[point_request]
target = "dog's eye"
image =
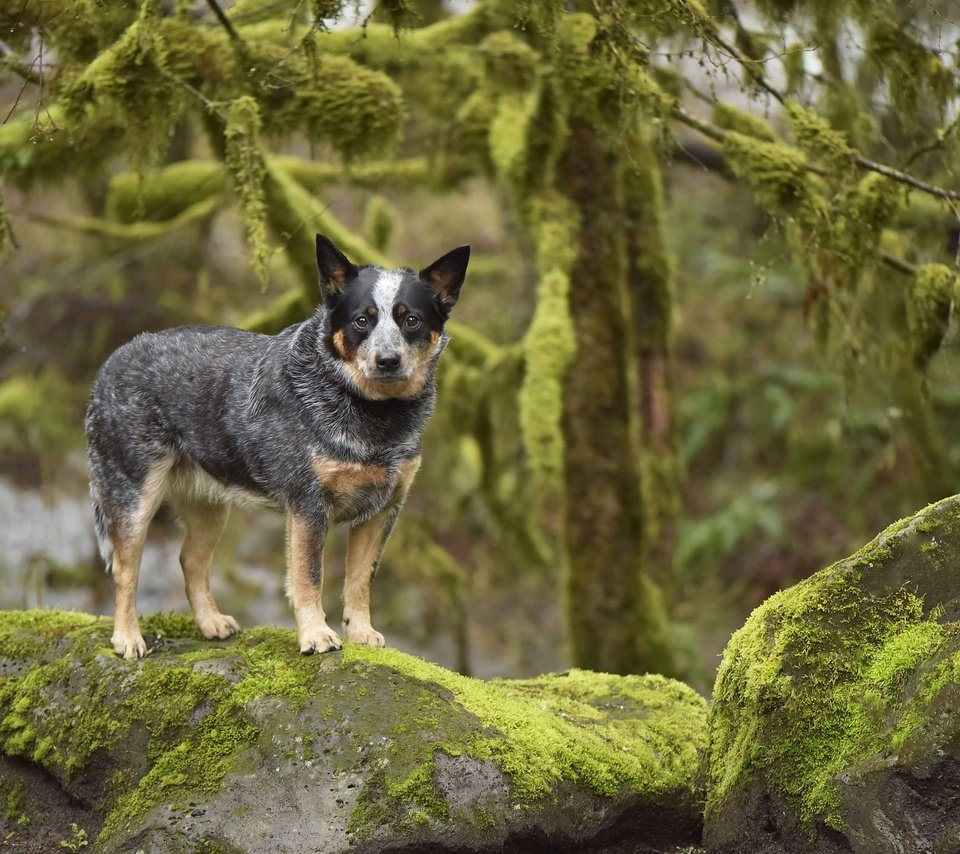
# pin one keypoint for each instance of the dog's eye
(361, 322)
(412, 321)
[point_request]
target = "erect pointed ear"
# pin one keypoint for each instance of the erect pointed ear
(336, 272)
(445, 275)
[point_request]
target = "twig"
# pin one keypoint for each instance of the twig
(898, 263)
(224, 21)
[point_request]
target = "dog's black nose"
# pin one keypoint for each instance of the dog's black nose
(388, 361)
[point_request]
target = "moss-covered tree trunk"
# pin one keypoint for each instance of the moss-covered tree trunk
(651, 291)
(616, 613)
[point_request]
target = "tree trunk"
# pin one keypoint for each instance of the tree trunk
(616, 612)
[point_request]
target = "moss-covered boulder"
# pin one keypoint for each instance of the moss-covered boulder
(245, 745)
(835, 725)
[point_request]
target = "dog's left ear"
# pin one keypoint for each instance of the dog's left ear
(445, 275)
(336, 272)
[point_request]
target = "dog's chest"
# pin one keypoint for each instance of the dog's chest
(354, 490)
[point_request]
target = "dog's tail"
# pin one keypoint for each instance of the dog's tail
(104, 543)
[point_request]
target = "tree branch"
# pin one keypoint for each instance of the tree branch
(709, 32)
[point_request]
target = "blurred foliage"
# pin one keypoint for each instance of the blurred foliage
(792, 363)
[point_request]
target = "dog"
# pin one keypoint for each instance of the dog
(323, 420)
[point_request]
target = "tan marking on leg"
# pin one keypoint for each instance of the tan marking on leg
(366, 543)
(129, 536)
(305, 556)
(204, 524)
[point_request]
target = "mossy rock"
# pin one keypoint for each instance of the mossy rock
(245, 745)
(834, 725)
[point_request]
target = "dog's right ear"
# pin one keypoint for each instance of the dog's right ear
(336, 272)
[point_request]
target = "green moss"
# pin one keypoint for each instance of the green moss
(245, 165)
(199, 722)
(912, 71)
(778, 175)
(130, 81)
(273, 667)
(731, 118)
(549, 344)
(510, 64)
(164, 193)
(550, 729)
(38, 413)
(379, 222)
(170, 625)
(830, 672)
(358, 111)
(815, 135)
(508, 134)
(864, 211)
(929, 302)
(6, 232)
(16, 803)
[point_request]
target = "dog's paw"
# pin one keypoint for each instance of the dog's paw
(364, 633)
(129, 645)
(215, 626)
(320, 639)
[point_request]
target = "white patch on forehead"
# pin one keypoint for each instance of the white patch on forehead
(385, 290)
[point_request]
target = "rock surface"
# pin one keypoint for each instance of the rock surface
(247, 746)
(835, 724)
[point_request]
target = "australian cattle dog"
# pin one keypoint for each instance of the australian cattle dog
(323, 421)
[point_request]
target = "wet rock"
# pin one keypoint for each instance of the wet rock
(247, 746)
(835, 724)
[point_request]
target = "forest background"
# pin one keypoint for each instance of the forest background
(707, 343)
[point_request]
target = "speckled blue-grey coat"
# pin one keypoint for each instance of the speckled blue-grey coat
(323, 420)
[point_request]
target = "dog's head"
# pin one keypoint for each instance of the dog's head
(386, 327)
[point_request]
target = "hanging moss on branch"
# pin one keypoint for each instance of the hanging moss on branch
(129, 83)
(550, 343)
(357, 110)
(779, 177)
(861, 216)
(245, 165)
(379, 222)
(930, 300)
(815, 135)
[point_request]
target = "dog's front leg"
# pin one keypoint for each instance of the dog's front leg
(305, 584)
(364, 549)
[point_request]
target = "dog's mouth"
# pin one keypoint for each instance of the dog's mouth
(381, 375)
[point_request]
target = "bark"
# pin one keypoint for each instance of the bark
(616, 614)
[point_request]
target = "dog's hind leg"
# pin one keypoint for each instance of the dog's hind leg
(128, 531)
(204, 523)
